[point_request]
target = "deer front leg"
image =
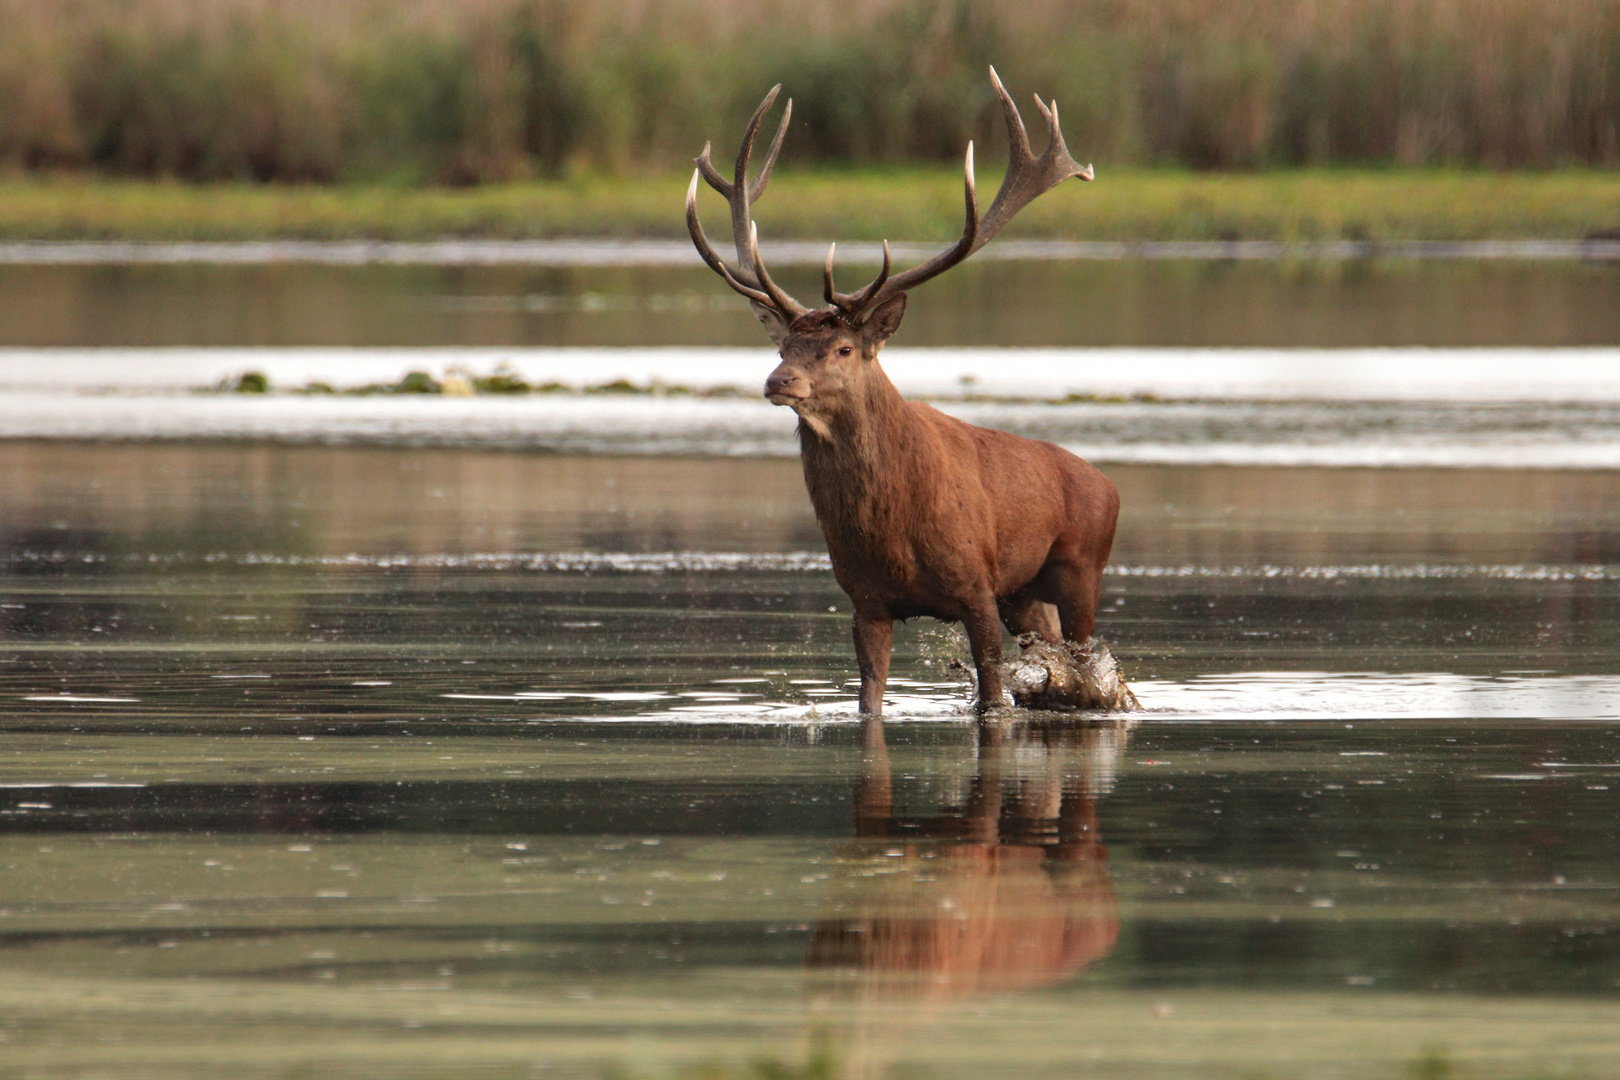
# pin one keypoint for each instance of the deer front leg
(984, 638)
(874, 639)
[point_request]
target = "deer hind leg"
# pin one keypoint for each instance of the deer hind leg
(874, 640)
(1024, 613)
(1076, 590)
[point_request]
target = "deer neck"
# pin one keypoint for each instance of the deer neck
(858, 459)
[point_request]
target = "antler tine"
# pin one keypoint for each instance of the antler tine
(739, 197)
(1027, 178)
(867, 293)
(1054, 134)
(854, 304)
(742, 222)
(886, 288)
(705, 249)
(695, 227)
(746, 149)
(712, 174)
(1017, 135)
(778, 299)
(757, 188)
(752, 294)
(749, 276)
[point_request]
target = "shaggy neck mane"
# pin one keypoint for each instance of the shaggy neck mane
(862, 459)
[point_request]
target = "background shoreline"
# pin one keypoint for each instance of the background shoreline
(920, 204)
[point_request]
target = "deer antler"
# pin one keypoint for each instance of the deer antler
(1027, 178)
(749, 276)
(851, 305)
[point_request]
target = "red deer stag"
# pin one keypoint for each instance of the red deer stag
(923, 514)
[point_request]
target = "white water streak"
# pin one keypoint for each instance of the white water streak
(1307, 695)
(1242, 696)
(1395, 374)
(1482, 408)
(685, 562)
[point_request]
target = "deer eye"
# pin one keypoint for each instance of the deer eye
(845, 351)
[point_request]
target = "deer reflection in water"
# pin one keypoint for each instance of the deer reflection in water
(1006, 890)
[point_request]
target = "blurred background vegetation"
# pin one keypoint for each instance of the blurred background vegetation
(457, 92)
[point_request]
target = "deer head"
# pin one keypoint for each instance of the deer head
(827, 353)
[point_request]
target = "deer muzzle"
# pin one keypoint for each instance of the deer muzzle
(786, 386)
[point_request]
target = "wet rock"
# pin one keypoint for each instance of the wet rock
(1066, 676)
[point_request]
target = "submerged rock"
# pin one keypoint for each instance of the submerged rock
(1066, 676)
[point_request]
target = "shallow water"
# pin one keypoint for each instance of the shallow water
(1209, 302)
(372, 761)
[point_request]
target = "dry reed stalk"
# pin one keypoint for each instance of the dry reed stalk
(465, 91)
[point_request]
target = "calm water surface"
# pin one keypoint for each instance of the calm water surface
(1190, 302)
(360, 762)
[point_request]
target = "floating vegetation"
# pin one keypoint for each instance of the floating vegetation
(459, 382)
(505, 380)
(418, 382)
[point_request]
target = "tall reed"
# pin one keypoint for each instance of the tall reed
(466, 91)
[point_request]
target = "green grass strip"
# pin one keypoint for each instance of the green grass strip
(908, 204)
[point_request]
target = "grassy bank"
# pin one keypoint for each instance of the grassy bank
(911, 204)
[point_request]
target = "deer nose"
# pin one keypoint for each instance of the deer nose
(789, 385)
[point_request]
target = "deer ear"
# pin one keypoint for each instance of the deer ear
(883, 322)
(774, 324)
